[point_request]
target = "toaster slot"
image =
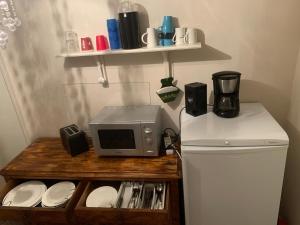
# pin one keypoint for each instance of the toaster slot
(71, 130)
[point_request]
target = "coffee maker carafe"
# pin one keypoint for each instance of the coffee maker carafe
(226, 93)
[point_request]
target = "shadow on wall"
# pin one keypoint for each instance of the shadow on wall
(30, 63)
(26, 68)
(253, 91)
(143, 18)
(291, 178)
(168, 122)
(131, 64)
(206, 53)
(81, 107)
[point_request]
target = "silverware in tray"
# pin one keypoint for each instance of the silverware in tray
(148, 196)
(141, 195)
(135, 196)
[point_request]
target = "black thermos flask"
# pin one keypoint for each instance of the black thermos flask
(129, 27)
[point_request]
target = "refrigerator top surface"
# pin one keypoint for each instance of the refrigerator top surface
(253, 127)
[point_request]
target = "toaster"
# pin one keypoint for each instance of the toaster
(74, 140)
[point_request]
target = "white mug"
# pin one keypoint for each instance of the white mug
(180, 34)
(151, 39)
(191, 36)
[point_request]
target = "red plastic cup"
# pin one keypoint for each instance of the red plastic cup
(86, 44)
(101, 42)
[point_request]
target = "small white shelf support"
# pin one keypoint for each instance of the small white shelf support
(102, 75)
(167, 64)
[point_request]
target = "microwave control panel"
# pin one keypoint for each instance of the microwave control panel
(150, 140)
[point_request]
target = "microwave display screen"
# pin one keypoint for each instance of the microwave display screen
(117, 139)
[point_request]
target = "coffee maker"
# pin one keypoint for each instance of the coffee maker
(226, 93)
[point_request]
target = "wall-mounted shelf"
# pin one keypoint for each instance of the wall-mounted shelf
(99, 57)
(132, 51)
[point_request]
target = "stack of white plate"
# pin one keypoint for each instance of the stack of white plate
(27, 194)
(104, 196)
(58, 194)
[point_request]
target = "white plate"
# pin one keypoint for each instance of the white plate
(104, 196)
(27, 194)
(58, 194)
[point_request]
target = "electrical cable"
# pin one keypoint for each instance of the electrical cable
(175, 135)
(180, 120)
(178, 154)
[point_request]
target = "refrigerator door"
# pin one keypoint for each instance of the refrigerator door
(234, 185)
(253, 127)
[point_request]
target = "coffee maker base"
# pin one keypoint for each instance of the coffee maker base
(227, 114)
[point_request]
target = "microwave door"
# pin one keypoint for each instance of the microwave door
(121, 139)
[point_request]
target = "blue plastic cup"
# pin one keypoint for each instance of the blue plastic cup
(167, 42)
(113, 33)
(167, 26)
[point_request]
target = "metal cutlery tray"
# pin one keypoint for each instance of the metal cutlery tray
(141, 195)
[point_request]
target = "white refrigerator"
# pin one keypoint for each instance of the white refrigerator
(233, 168)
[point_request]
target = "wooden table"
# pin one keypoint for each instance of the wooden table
(46, 160)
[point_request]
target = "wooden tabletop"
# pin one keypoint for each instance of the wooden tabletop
(46, 159)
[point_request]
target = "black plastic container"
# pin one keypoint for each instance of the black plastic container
(129, 30)
(196, 98)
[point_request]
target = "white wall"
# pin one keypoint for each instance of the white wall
(255, 37)
(259, 38)
(291, 191)
(12, 139)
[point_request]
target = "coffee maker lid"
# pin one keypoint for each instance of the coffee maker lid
(226, 75)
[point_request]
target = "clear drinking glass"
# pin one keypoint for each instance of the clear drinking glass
(71, 41)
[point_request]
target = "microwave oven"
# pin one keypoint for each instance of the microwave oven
(127, 131)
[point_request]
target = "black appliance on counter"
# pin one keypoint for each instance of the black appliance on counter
(226, 93)
(74, 140)
(196, 98)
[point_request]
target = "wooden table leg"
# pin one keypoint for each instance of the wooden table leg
(174, 203)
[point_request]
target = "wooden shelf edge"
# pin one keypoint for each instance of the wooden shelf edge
(90, 177)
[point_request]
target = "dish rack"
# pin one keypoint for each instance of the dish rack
(140, 195)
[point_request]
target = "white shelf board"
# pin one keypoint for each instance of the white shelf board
(132, 51)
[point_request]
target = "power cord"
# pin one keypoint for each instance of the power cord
(170, 138)
(178, 154)
(180, 120)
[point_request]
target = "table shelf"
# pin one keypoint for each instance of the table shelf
(46, 160)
